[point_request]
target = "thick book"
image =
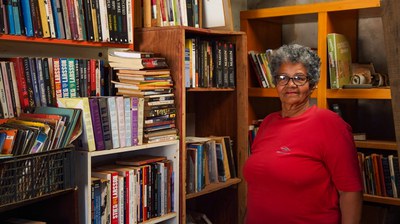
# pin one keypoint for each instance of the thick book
(27, 18)
(112, 116)
(97, 126)
(339, 55)
(138, 64)
(105, 122)
(22, 87)
(87, 141)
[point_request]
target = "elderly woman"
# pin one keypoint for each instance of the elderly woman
(303, 166)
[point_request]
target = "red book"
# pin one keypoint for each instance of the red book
(21, 84)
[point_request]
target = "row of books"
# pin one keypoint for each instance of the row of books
(48, 128)
(209, 160)
(259, 63)
(123, 121)
(381, 174)
(30, 82)
(89, 20)
(133, 190)
(167, 13)
(209, 63)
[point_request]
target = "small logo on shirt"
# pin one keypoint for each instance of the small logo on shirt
(283, 150)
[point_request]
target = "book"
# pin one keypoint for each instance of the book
(138, 64)
(114, 55)
(96, 121)
(339, 55)
(139, 160)
(112, 117)
(87, 141)
(105, 122)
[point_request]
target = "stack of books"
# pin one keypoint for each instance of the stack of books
(155, 88)
(128, 59)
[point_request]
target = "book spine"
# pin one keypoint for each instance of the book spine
(7, 90)
(27, 17)
(21, 84)
(77, 78)
(50, 19)
(80, 14)
(104, 21)
(128, 121)
(47, 82)
(3, 98)
(57, 77)
(231, 65)
(43, 18)
(40, 81)
(96, 120)
(121, 119)
(35, 83)
(114, 198)
(140, 120)
(134, 119)
(113, 121)
(64, 78)
(67, 27)
(88, 20)
(71, 77)
(105, 121)
(29, 83)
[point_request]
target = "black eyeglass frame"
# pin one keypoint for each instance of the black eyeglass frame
(294, 80)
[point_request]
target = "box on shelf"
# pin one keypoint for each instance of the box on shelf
(32, 176)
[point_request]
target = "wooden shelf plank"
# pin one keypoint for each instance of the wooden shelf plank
(377, 144)
(268, 92)
(214, 187)
(373, 93)
(382, 200)
(161, 219)
(79, 43)
(210, 89)
(309, 9)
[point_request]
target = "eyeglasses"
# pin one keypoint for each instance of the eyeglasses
(298, 79)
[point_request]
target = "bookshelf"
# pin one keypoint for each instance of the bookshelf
(216, 112)
(265, 29)
(86, 160)
(62, 207)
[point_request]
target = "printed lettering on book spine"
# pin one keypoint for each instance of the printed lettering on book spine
(105, 121)
(64, 78)
(21, 83)
(134, 120)
(97, 127)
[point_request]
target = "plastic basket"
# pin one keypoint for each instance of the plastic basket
(36, 175)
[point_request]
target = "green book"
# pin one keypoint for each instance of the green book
(339, 55)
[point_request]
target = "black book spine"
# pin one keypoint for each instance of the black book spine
(36, 21)
(29, 83)
(10, 84)
(231, 65)
(77, 78)
(3, 14)
(88, 20)
(47, 82)
(124, 25)
(98, 18)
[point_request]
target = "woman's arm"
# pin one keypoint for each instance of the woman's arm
(350, 207)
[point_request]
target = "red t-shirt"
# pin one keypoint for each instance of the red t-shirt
(297, 166)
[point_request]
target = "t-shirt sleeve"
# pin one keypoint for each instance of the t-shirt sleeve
(340, 154)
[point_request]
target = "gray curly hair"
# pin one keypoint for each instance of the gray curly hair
(295, 53)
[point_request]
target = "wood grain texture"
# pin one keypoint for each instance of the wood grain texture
(391, 29)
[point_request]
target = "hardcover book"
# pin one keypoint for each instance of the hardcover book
(339, 55)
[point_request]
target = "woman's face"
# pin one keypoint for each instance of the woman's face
(293, 94)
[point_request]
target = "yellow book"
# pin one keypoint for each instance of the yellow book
(87, 137)
(43, 18)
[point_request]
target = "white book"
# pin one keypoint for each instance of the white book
(7, 90)
(129, 20)
(15, 89)
(50, 19)
(3, 98)
(112, 112)
(121, 120)
(105, 30)
(128, 121)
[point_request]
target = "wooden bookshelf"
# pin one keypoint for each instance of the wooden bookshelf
(265, 30)
(217, 112)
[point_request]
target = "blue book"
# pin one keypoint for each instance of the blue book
(35, 83)
(200, 165)
(64, 78)
(17, 24)
(2, 139)
(11, 28)
(27, 16)
(96, 185)
(56, 19)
